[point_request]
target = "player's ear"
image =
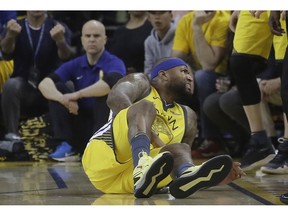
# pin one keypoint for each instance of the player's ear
(163, 74)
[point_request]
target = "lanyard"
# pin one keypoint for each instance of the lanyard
(30, 38)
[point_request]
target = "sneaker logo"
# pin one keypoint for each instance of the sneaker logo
(153, 180)
(79, 77)
(136, 179)
(69, 154)
(198, 180)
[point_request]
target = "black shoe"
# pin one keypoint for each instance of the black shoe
(279, 164)
(284, 198)
(12, 146)
(12, 137)
(196, 178)
(257, 155)
(18, 146)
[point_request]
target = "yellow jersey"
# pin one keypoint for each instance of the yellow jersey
(215, 32)
(107, 159)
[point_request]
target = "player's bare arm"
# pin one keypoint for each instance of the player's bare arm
(127, 90)
(191, 126)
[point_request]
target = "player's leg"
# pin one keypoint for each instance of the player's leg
(148, 171)
(189, 178)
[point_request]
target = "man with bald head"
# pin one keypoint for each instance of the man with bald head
(76, 114)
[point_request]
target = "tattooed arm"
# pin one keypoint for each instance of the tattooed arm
(190, 127)
(127, 90)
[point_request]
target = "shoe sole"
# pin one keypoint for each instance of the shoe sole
(210, 174)
(279, 171)
(284, 199)
(259, 163)
(159, 170)
(74, 158)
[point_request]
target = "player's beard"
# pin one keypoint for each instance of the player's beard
(180, 91)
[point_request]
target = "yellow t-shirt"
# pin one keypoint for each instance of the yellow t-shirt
(215, 32)
(253, 35)
(6, 69)
(280, 43)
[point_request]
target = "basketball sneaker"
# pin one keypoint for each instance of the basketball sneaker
(257, 155)
(12, 137)
(12, 146)
(150, 171)
(284, 198)
(279, 164)
(64, 153)
(196, 178)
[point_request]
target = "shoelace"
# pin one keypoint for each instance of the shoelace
(145, 158)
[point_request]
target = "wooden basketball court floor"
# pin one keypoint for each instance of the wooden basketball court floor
(54, 183)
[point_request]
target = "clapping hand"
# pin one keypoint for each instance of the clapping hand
(57, 33)
(13, 28)
(201, 17)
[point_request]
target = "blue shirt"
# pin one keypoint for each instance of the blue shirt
(83, 75)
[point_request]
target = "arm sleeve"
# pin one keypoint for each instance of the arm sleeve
(112, 78)
(54, 77)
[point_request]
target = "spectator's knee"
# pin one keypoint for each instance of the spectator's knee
(14, 84)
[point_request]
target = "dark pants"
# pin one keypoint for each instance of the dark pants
(284, 78)
(77, 129)
(19, 99)
(205, 84)
(225, 111)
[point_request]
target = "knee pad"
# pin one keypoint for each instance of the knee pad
(244, 68)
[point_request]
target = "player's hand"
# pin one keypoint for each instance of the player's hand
(235, 173)
(156, 141)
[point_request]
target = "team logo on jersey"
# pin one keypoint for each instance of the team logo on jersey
(161, 128)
